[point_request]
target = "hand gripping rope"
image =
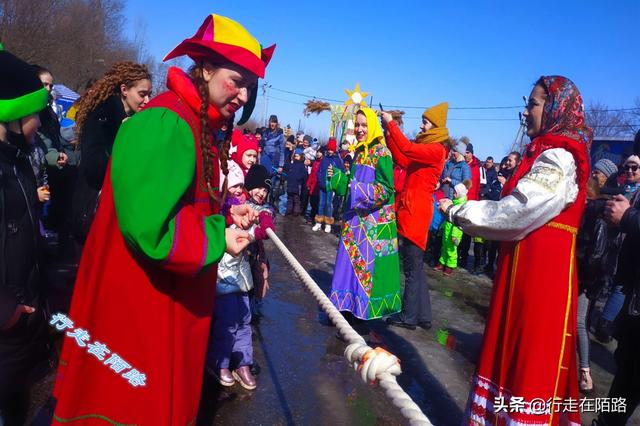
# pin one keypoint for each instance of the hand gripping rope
(374, 365)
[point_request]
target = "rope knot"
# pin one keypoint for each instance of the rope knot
(370, 362)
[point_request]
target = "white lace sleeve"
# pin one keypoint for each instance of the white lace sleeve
(540, 196)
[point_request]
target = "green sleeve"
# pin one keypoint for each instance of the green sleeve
(339, 182)
(152, 167)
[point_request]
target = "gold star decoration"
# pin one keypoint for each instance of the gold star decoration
(356, 97)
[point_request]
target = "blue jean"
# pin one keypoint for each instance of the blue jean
(614, 304)
(230, 343)
(326, 203)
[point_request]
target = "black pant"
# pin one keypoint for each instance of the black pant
(463, 250)
(415, 300)
(478, 255)
(626, 383)
(293, 203)
(492, 253)
(304, 199)
(315, 204)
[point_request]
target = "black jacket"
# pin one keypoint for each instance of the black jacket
(296, 176)
(597, 248)
(19, 236)
(628, 273)
(26, 344)
(96, 140)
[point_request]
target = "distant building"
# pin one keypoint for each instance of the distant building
(615, 149)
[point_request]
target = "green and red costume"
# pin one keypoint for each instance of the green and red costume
(146, 283)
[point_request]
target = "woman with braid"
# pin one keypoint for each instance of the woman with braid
(135, 350)
(124, 90)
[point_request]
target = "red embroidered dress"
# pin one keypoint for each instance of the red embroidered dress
(528, 356)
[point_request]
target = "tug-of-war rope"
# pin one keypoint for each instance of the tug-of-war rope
(374, 365)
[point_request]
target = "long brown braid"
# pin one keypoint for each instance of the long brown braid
(205, 139)
(127, 73)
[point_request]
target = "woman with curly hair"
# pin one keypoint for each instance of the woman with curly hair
(122, 92)
(145, 290)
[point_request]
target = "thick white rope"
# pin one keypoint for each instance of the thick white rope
(372, 364)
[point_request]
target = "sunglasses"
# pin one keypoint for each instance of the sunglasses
(631, 167)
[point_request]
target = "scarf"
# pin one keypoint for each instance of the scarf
(563, 112)
(433, 135)
(374, 134)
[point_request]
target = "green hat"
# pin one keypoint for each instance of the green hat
(21, 92)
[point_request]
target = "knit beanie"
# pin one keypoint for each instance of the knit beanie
(632, 159)
(273, 118)
(235, 176)
(240, 143)
(461, 190)
(606, 166)
(470, 148)
(257, 177)
(298, 151)
(21, 92)
(437, 114)
(332, 145)
(460, 147)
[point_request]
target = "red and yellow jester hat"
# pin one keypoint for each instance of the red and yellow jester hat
(221, 36)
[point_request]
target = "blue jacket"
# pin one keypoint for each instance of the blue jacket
(324, 165)
(457, 172)
(490, 176)
(296, 176)
(272, 149)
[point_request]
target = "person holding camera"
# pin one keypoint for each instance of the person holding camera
(625, 213)
(597, 249)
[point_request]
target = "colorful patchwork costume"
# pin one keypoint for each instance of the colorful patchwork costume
(366, 279)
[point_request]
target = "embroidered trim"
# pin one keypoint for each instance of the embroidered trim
(380, 306)
(547, 177)
(571, 229)
(566, 320)
(90, 416)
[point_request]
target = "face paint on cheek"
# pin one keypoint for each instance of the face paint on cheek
(230, 89)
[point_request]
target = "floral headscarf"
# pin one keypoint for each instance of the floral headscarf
(563, 110)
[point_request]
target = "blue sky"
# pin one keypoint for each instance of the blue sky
(419, 53)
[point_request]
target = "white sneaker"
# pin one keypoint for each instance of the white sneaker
(327, 228)
(316, 227)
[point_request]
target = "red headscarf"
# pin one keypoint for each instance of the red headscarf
(563, 110)
(240, 143)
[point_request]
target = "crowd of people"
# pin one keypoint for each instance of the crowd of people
(165, 205)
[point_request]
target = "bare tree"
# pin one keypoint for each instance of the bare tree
(606, 121)
(76, 39)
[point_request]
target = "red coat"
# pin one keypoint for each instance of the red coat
(312, 181)
(423, 164)
(474, 191)
(155, 315)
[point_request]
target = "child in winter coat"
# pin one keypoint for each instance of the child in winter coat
(235, 189)
(230, 352)
(312, 185)
(243, 150)
(451, 234)
(296, 177)
(258, 184)
(325, 208)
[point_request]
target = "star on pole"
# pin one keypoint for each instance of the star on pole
(356, 97)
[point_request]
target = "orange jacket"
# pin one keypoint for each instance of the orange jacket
(423, 164)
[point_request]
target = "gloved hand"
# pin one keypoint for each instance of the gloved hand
(265, 221)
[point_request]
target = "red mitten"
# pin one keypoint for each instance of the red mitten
(265, 222)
